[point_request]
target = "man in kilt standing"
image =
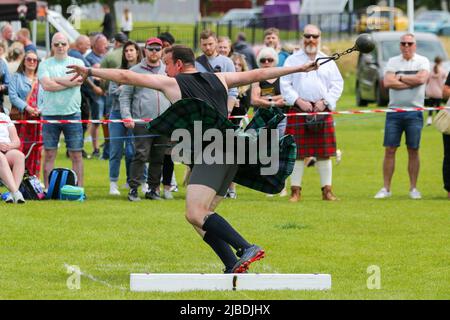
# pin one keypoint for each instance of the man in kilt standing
(315, 91)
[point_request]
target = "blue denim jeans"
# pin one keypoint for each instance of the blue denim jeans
(121, 139)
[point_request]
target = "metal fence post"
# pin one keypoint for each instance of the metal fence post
(195, 42)
(253, 34)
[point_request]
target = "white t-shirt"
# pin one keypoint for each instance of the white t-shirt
(127, 25)
(412, 97)
(4, 128)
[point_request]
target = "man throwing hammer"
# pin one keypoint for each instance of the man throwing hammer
(209, 182)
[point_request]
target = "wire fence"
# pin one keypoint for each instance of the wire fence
(334, 27)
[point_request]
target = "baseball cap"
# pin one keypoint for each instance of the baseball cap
(153, 41)
(120, 37)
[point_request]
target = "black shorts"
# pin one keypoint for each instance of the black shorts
(216, 176)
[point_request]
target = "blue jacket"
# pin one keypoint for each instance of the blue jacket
(19, 87)
(4, 79)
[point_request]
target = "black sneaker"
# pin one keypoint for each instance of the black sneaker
(133, 195)
(85, 155)
(152, 195)
(250, 255)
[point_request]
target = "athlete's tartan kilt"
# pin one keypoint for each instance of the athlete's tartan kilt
(183, 113)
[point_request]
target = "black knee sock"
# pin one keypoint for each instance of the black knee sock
(223, 230)
(222, 249)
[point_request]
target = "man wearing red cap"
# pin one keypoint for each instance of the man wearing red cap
(140, 103)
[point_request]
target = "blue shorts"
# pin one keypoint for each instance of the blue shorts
(410, 122)
(73, 132)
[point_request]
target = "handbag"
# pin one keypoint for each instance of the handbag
(15, 113)
(442, 121)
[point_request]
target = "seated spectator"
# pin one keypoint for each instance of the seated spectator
(12, 161)
(23, 94)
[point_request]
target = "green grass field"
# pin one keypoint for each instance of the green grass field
(109, 237)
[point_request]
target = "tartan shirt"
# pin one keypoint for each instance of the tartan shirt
(183, 113)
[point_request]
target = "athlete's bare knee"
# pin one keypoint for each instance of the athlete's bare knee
(195, 213)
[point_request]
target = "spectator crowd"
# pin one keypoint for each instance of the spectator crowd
(31, 89)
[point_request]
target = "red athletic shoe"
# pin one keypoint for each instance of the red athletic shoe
(250, 255)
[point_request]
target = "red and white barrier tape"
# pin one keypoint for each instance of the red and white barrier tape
(297, 114)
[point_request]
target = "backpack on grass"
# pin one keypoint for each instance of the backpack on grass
(58, 178)
(31, 188)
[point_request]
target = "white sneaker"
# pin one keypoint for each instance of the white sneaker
(18, 197)
(168, 195)
(383, 193)
(429, 121)
(144, 188)
(415, 194)
(283, 192)
(173, 183)
(232, 194)
(114, 189)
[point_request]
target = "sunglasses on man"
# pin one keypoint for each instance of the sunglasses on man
(152, 48)
(60, 44)
(309, 36)
(404, 44)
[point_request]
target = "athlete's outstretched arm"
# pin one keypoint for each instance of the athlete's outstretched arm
(236, 79)
(153, 81)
